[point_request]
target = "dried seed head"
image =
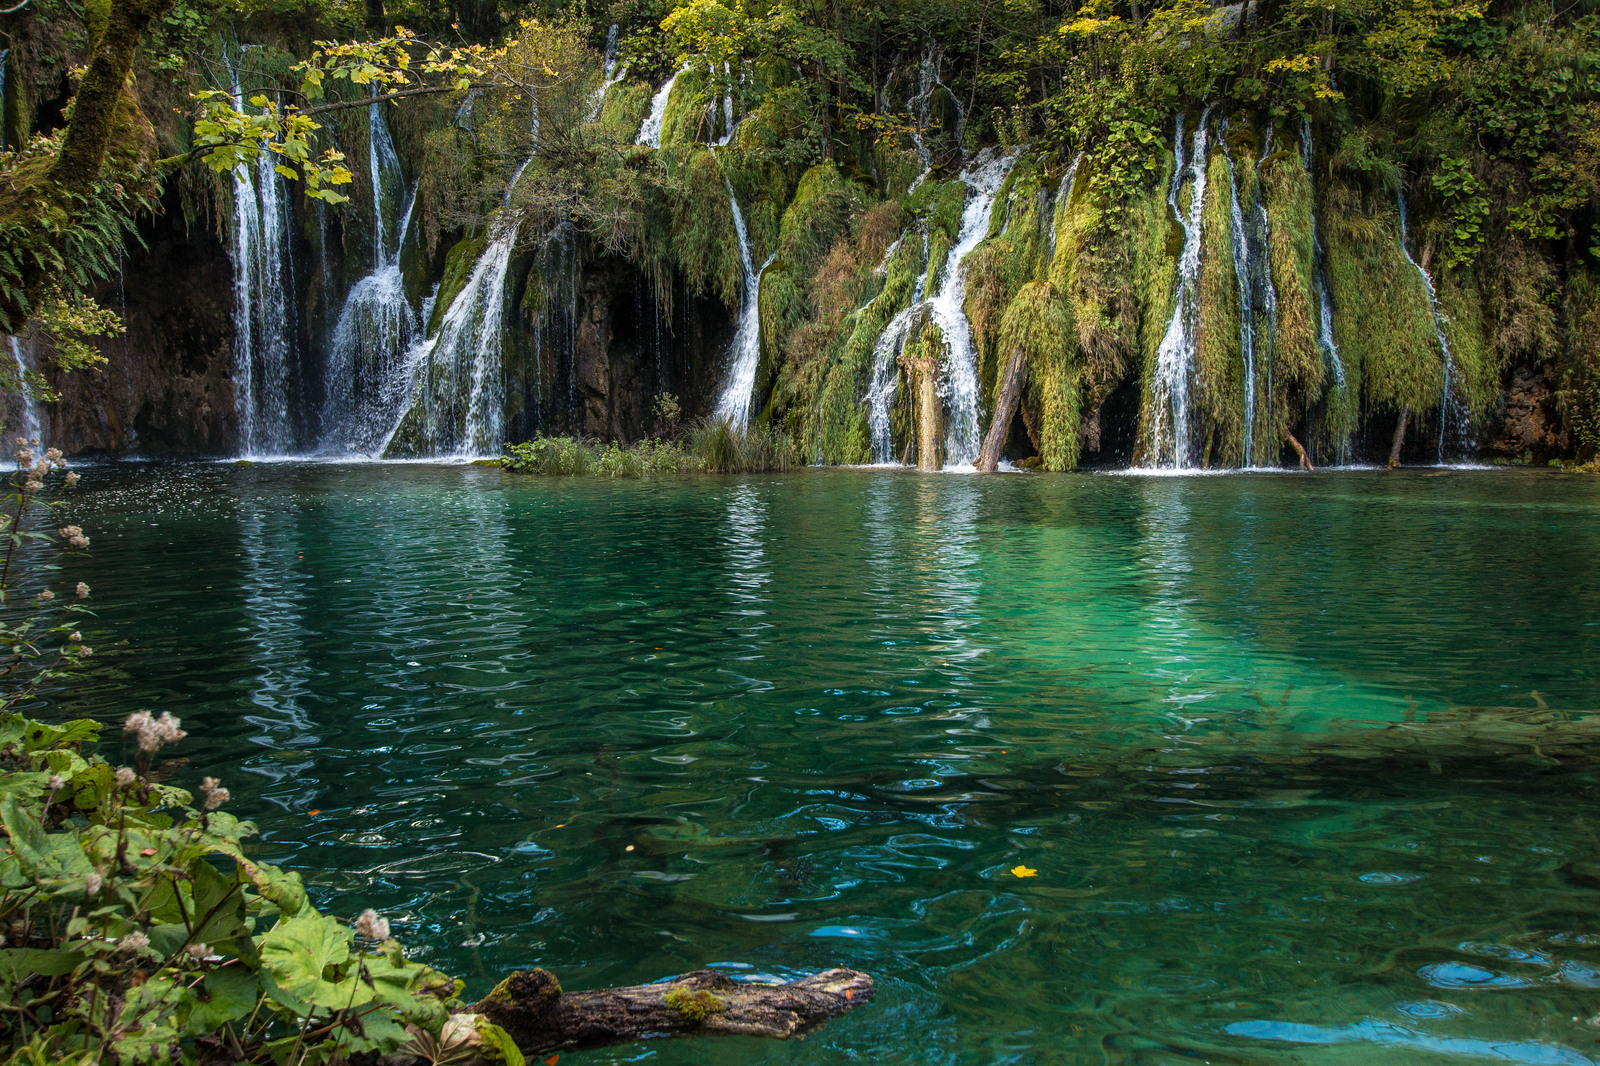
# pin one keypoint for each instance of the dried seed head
(371, 926)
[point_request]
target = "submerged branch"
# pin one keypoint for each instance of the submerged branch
(540, 1018)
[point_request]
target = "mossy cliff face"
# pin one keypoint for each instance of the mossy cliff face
(1076, 275)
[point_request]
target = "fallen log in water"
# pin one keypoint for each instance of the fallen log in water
(540, 1018)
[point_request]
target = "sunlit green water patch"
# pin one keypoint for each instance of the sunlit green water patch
(1303, 764)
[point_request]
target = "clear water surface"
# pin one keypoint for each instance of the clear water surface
(777, 724)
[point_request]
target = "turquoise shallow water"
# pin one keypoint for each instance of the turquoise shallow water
(624, 730)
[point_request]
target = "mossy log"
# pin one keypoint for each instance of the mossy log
(533, 1010)
(1005, 409)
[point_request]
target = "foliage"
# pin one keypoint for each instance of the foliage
(713, 447)
(138, 928)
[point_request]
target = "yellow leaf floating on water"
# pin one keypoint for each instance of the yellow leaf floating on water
(1023, 871)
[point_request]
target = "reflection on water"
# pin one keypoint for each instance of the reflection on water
(777, 724)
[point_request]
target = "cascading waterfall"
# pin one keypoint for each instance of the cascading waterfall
(611, 73)
(733, 406)
(22, 417)
(1261, 262)
(456, 383)
(922, 106)
(1168, 402)
(1448, 396)
(365, 380)
(650, 132)
(959, 382)
(388, 186)
(1247, 318)
(1325, 338)
(263, 310)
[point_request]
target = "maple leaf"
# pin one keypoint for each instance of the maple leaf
(1023, 871)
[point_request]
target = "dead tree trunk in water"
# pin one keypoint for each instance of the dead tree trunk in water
(1305, 460)
(1005, 409)
(1399, 438)
(540, 1018)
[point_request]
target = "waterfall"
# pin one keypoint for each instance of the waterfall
(921, 105)
(455, 380)
(1168, 443)
(959, 379)
(263, 308)
(650, 132)
(365, 380)
(27, 422)
(1325, 339)
(733, 406)
(383, 168)
(1247, 316)
(886, 382)
(1438, 322)
(1069, 181)
(959, 384)
(610, 75)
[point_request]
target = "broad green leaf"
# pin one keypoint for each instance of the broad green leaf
(281, 887)
(17, 964)
(303, 955)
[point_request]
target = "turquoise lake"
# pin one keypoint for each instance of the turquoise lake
(776, 724)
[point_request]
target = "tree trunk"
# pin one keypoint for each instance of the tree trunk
(1005, 409)
(94, 111)
(1399, 439)
(377, 18)
(541, 1018)
(1305, 460)
(929, 417)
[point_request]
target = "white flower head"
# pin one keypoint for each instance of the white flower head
(371, 926)
(134, 941)
(83, 589)
(126, 777)
(198, 952)
(45, 595)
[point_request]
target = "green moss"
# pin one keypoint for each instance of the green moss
(704, 244)
(1296, 360)
(1039, 321)
(1382, 324)
(824, 207)
(697, 1005)
(458, 265)
(1220, 354)
(685, 120)
(624, 109)
(1580, 393)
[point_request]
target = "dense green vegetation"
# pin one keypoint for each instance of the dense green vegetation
(850, 127)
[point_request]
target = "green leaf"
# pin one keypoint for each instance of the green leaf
(18, 964)
(303, 955)
(500, 1044)
(229, 993)
(218, 904)
(281, 887)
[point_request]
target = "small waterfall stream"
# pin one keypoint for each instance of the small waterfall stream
(455, 379)
(959, 382)
(365, 379)
(1069, 182)
(1325, 338)
(650, 131)
(1247, 316)
(263, 308)
(22, 407)
(1168, 402)
(609, 76)
(733, 405)
(1448, 396)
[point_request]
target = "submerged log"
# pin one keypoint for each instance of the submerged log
(1305, 460)
(1399, 438)
(1005, 409)
(540, 1018)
